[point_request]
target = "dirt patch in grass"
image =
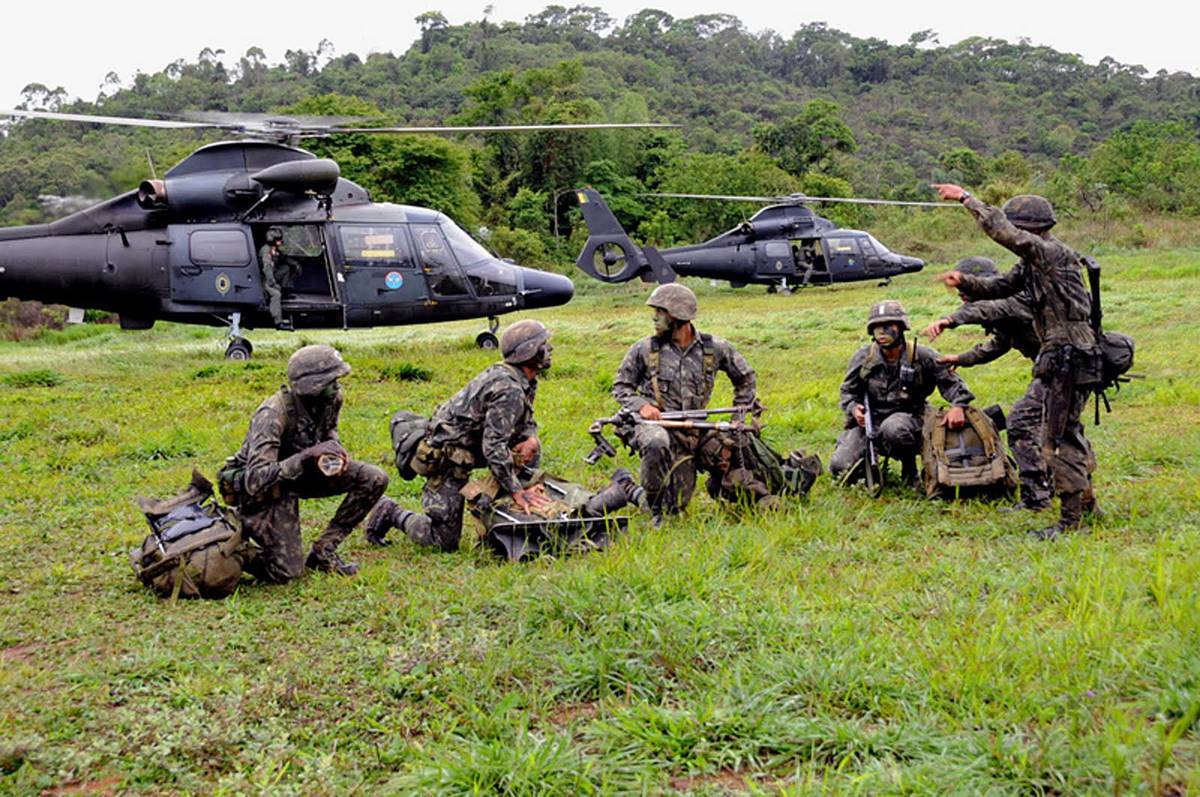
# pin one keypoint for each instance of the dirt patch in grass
(727, 780)
(93, 787)
(569, 713)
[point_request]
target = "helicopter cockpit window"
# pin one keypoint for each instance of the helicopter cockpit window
(488, 277)
(465, 248)
(445, 278)
(868, 247)
(879, 248)
(385, 245)
(219, 248)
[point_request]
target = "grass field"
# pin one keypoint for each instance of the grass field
(844, 645)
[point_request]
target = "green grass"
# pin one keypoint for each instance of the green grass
(842, 645)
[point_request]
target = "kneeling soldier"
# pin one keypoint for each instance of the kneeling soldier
(890, 380)
(489, 422)
(674, 370)
(291, 452)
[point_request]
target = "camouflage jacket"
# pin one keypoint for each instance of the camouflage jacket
(869, 373)
(488, 417)
(280, 429)
(1008, 321)
(684, 378)
(1050, 270)
(280, 266)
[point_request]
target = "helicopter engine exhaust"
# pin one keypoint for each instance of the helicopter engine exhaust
(152, 195)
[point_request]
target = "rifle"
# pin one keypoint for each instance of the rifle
(872, 463)
(625, 420)
(1097, 314)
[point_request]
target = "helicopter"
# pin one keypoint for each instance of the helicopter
(782, 246)
(183, 248)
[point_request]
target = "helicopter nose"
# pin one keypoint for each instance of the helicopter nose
(912, 265)
(543, 289)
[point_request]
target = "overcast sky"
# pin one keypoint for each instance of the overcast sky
(75, 44)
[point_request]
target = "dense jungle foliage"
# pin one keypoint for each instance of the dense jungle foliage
(817, 110)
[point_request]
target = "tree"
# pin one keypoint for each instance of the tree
(809, 140)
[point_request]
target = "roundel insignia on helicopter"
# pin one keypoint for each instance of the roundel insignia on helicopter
(223, 283)
(393, 280)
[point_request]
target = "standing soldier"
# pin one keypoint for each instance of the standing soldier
(674, 370)
(291, 452)
(1009, 325)
(891, 379)
(279, 272)
(488, 423)
(1068, 365)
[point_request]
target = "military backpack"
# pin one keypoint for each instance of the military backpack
(967, 462)
(195, 547)
(408, 430)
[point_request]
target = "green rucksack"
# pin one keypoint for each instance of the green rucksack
(195, 547)
(408, 430)
(967, 462)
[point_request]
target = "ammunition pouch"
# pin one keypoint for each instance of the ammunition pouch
(231, 482)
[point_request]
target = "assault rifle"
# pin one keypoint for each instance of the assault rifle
(871, 466)
(625, 420)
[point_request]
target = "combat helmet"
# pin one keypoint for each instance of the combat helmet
(1030, 212)
(885, 311)
(520, 342)
(976, 266)
(273, 234)
(311, 368)
(678, 300)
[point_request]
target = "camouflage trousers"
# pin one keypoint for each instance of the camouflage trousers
(1025, 439)
(275, 281)
(670, 460)
(899, 438)
(274, 523)
(1066, 447)
(443, 504)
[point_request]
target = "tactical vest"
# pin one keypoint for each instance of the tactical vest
(710, 367)
(970, 461)
(231, 478)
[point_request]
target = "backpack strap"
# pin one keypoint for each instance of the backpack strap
(289, 413)
(652, 360)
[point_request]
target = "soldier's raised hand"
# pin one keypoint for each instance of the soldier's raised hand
(949, 191)
(951, 279)
(936, 328)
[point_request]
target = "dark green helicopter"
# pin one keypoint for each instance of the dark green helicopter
(782, 246)
(184, 248)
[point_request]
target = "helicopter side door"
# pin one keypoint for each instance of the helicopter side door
(445, 278)
(775, 259)
(213, 264)
(843, 259)
(382, 277)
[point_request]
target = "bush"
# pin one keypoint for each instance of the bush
(39, 377)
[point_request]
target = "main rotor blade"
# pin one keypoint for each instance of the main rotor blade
(108, 120)
(800, 199)
(501, 128)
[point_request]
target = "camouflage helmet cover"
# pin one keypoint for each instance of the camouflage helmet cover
(885, 311)
(521, 341)
(678, 300)
(273, 234)
(1030, 212)
(311, 368)
(977, 266)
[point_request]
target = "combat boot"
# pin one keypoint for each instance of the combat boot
(1070, 519)
(330, 562)
(381, 520)
(621, 490)
(909, 475)
(1090, 507)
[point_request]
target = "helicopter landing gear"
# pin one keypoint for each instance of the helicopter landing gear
(488, 340)
(782, 288)
(886, 281)
(239, 349)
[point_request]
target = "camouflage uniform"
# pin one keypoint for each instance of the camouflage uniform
(1067, 365)
(897, 411)
(655, 371)
(279, 273)
(276, 476)
(478, 426)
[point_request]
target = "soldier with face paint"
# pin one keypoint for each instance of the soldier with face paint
(675, 369)
(897, 376)
(292, 451)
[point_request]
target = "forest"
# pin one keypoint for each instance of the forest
(815, 110)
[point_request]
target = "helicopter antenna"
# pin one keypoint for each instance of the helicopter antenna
(150, 160)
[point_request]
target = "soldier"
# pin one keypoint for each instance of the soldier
(673, 370)
(488, 423)
(897, 377)
(1009, 324)
(292, 451)
(279, 273)
(1068, 364)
